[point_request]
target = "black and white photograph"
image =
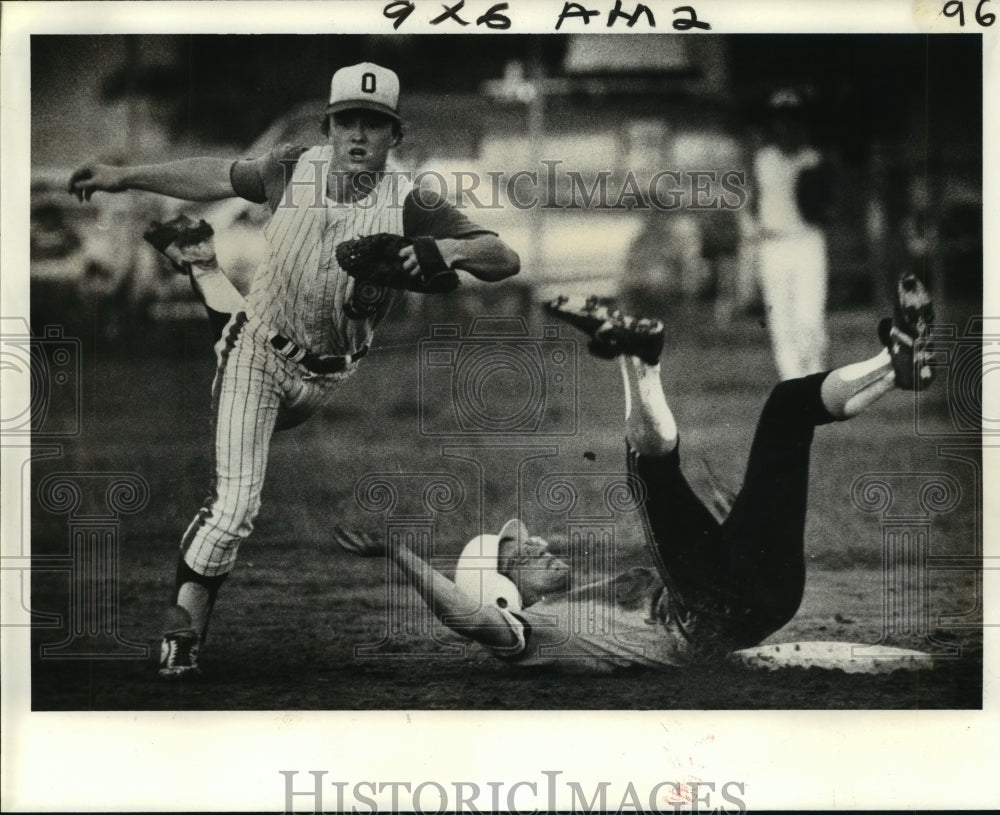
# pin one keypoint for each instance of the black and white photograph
(386, 384)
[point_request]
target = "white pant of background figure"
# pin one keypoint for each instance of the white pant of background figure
(793, 279)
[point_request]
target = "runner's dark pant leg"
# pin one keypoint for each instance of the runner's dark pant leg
(764, 532)
(684, 537)
(751, 569)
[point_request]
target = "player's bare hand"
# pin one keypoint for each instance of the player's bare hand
(411, 264)
(358, 543)
(411, 260)
(92, 178)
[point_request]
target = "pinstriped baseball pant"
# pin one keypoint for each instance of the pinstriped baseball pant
(256, 391)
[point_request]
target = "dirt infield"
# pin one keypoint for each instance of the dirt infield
(291, 619)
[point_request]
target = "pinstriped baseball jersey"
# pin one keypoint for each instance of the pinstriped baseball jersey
(300, 292)
(300, 289)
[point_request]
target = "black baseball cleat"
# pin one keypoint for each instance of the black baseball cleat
(179, 647)
(905, 334)
(611, 333)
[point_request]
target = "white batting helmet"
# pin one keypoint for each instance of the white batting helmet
(476, 573)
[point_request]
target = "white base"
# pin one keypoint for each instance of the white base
(849, 657)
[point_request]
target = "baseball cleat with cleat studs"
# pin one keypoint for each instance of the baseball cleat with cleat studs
(905, 334)
(611, 333)
(179, 647)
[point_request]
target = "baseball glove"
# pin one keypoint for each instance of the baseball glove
(375, 260)
(183, 242)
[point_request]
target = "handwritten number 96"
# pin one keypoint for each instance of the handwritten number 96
(956, 8)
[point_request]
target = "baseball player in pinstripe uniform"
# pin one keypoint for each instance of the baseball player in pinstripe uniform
(717, 586)
(306, 323)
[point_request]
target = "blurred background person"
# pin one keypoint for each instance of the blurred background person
(721, 243)
(792, 192)
(665, 264)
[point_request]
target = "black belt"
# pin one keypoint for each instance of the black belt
(314, 363)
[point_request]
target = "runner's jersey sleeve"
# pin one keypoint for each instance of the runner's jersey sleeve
(603, 627)
(521, 630)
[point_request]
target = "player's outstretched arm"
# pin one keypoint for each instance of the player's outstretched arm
(452, 606)
(486, 257)
(192, 179)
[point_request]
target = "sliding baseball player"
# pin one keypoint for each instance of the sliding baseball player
(716, 587)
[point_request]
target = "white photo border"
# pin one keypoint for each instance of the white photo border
(231, 761)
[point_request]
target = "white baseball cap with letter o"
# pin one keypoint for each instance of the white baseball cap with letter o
(365, 86)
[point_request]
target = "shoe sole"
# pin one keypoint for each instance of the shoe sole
(585, 317)
(612, 333)
(907, 336)
(179, 674)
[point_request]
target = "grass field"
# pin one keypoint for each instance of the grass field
(289, 619)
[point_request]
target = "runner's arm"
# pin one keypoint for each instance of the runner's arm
(483, 623)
